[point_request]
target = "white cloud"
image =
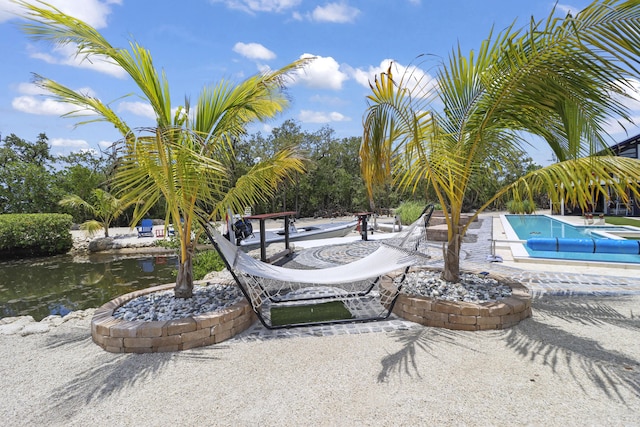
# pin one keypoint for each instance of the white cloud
(144, 109)
(31, 89)
(252, 6)
(338, 13)
(66, 55)
(307, 116)
(138, 108)
(411, 77)
(93, 12)
(33, 101)
(327, 100)
(69, 143)
(105, 144)
(8, 10)
(95, 153)
(43, 107)
(253, 51)
(565, 8)
(632, 89)
(632, 102)
(622, 130)
(321, 73)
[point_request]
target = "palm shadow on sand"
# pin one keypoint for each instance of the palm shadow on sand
(538, 340)
(106, 373)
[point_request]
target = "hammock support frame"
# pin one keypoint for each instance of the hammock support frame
(266, 286)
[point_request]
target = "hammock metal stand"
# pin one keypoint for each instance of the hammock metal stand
(267, 286)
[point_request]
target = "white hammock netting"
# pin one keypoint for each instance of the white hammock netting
(355, 284)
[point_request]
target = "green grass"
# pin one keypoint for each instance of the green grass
(291, 315)
(618, 220)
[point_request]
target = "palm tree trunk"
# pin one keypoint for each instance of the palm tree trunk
(451, 255)
(184, 281)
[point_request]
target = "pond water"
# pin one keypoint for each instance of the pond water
(61, 284)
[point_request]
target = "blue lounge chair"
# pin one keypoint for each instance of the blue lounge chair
(145, 229)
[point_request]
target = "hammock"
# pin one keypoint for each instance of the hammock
(355, 285)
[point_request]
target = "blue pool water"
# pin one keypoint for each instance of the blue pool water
(534, 226)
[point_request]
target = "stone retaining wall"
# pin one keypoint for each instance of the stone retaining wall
(437, 231)
(466, 316)
(119, 336)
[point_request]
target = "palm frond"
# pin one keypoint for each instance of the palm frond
(47, 23)
(85, 104)
(561, 79)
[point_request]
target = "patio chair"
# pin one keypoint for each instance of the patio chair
(354, 286)
(145, 229)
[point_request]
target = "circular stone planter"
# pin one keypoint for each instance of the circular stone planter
(120, 336)
(465, 316)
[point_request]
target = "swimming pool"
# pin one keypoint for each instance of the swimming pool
(525, 227)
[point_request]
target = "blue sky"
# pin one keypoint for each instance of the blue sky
(199, 42)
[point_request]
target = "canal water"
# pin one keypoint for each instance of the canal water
(61, 284)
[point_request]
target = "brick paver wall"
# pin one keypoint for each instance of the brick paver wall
(466, 316)
(119, 336)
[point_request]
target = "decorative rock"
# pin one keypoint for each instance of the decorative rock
(471, 288)
(164, 306)
(54, 320)
(35, 328)
(15, 325)
(474, 313)
(101, 244)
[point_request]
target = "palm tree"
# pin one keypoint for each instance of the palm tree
(559, 79)
(185, 158)
(106, 208)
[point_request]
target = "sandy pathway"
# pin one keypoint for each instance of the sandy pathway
(576, 362)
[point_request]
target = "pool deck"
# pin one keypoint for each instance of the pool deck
(541, 276)
(543, 279)
(565, 276)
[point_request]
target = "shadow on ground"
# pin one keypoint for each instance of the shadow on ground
(609, 369)
(542, 339)
(106, 373)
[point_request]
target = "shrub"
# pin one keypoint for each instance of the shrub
(410, 211)
(205, 262)
(34, 234)
(521, 206)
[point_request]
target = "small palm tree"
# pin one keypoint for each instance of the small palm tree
(560, 79)
(105, 207)
(186, 157)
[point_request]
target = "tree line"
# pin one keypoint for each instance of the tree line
(33, 180)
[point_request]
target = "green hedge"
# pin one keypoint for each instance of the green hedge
(34, 234)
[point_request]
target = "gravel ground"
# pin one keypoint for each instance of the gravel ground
(575, 362)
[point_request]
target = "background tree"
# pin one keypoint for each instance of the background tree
(103, 205)
(186, 158)
(561, 79)
(490, 180)
(332, 184)
(26, 176)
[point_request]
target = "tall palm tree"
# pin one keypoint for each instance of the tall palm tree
(104, 206)
(560, 79)
(185, 157)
